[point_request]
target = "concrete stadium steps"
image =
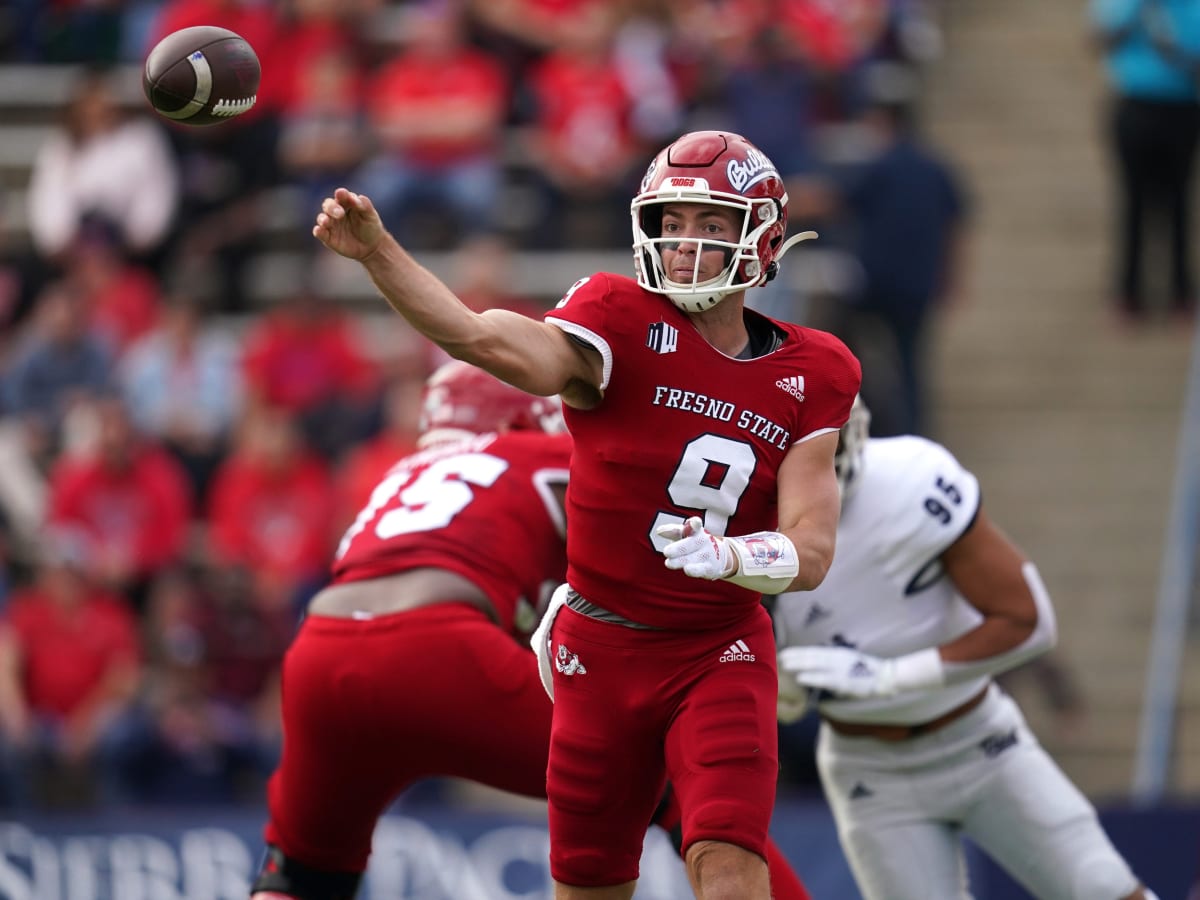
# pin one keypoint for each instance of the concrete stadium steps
(1070, 423)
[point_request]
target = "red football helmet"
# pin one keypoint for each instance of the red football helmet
(462, 400)
(722, 169)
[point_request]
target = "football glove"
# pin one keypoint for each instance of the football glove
(765, 562)
(846, 672)
(697, 551)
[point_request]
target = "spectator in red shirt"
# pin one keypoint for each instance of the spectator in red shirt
(437, 110)
(69, 670)
(582, 138)
(130, 496)
(272, 510)
(308, 358)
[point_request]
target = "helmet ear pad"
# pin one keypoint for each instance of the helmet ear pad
(769, 242)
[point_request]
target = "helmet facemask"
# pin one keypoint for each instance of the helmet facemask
(716, 169)
(743, 267)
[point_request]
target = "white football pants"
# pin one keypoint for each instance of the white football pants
(902, 808)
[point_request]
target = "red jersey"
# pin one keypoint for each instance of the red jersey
(299, 364)
(417, 84)
(139, 513)
(275, 521)
(65, 652)
(483, 508)
(584, 111)
(682, 430)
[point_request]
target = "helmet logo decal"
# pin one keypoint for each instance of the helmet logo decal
(649, 176)
(682, 182)
(755, 168)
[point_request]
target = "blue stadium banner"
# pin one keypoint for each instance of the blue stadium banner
(439, 853)
(418, 854)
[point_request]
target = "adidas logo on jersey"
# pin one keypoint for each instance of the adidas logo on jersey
(738, 652)
(794, 385)
(816, 612)
(860, 790)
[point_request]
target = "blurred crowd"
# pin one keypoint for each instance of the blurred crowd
(178, 459)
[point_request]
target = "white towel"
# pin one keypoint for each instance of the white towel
(541, 638)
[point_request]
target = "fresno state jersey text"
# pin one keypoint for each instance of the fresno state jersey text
(484, 508)
(683, 430)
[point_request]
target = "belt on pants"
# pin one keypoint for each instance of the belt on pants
(888, 732)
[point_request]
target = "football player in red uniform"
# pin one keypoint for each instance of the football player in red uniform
(419, 598)
(408, 605)
(704, 433)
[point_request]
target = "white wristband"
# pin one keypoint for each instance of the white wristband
(766, 561)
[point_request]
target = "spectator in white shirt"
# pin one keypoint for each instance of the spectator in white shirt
(99, 161)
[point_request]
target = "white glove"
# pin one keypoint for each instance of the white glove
(540, 639)
(847, 673)
(697, 551)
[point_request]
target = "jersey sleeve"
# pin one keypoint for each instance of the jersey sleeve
(830, 391)
(582, 314)
(934, 500)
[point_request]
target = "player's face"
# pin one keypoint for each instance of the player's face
(692, 260)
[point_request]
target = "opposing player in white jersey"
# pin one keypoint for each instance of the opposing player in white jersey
(925, 601)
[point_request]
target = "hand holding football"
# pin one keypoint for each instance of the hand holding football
(201, 75)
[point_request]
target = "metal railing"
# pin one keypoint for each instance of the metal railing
(1156, 734)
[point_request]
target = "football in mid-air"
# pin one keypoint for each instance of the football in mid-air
(201, 75)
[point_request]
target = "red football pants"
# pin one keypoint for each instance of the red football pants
(635, 707)
(369, 707)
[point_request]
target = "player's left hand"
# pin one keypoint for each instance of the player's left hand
(840, 670)
(697, 551)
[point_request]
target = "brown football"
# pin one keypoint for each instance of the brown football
(201, 75)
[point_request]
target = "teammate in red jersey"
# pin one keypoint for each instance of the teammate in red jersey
(704, 433)
(409, 606)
